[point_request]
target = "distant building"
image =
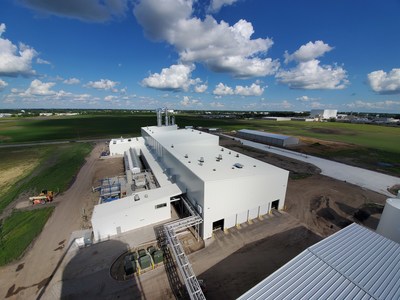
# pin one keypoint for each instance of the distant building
(268, 138)
(323, 114)
(276, 118)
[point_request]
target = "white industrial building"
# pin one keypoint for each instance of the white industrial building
(268, 138)
(323, 114)
(226, 188)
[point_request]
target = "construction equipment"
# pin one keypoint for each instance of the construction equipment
(44, 197)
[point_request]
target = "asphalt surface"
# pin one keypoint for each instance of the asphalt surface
(367, 179)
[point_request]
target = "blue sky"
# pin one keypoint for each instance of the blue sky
(187, 54)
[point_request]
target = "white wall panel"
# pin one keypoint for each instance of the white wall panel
(253, 213)
(230, 221)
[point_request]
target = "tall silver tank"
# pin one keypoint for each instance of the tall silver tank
(389, 224)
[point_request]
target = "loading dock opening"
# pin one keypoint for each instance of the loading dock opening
(218, 225)
(275, 204)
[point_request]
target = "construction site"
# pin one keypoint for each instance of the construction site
(170, 215)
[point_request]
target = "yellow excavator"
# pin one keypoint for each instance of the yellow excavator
(44, 197)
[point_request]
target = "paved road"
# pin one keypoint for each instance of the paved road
(371, 180)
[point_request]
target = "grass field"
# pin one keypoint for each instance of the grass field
(374, 147)
(72, 128)
(56, 168)
(18, 230)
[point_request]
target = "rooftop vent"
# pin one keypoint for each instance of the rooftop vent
(222, 149)
(186, 156)
(136, 197)
(239, 166)
(229, 152)
(172, 146)
(214, 170)
(201, 159)
(237, 155)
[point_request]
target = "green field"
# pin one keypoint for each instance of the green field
(84, 127)
(72, 128)
(373, 147)
(19, 230)
(56, 170)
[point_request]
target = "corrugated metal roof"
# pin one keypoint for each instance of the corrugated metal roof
(354, 263)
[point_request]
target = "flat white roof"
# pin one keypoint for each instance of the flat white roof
(354, 263)
(189, 146)
(266, 134)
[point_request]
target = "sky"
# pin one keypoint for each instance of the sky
(253, 55)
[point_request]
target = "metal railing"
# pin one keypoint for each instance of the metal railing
(192, 284)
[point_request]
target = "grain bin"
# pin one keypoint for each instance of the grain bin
(389, 224)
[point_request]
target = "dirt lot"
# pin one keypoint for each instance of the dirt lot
(323, 204)
(316, 206)
(25, 278)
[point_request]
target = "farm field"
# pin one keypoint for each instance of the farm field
(55, 169)
(25, 172)
(18, 231)
(368, 146)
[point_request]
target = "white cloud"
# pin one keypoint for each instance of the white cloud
(200, 88)
(42, 61)
(316, 104)
(175, 78)
(110, 98)
(310, 75)
(88, 10)
(386, 105)
(306, 99)
(3, 84)
(216, 5)
(39, 88)
(385, 83)
(217, 104)
(72, 80)
(15, 61)
(186, 101)
(103, 84)
(253, 90)
(222, 90)
(221, 47)
(308, 52)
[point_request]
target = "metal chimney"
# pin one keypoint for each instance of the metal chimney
(159, 117)
(166, 117)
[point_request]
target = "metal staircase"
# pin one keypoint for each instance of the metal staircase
(184, 266)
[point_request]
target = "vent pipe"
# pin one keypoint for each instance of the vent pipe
(159, 117)
(166, 117)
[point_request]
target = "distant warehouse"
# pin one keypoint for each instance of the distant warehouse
(268, 138)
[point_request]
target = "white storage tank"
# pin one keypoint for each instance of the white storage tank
(389, 225)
